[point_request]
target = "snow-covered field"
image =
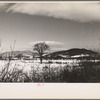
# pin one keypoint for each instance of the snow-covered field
(28, 64)
(48, 71)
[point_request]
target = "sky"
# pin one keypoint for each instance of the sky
(60, 25)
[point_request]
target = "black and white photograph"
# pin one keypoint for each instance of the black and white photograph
(50, 42)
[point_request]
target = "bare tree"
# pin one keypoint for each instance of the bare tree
(12, 50)
(19, 56)
(0, 45)
(40, 49)
(1, 57)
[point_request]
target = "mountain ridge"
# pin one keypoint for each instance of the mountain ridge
(71, 52)
(57, 54)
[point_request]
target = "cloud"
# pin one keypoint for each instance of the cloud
(82, 12)
(3, 6)
(53, 44)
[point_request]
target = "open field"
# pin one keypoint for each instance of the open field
(49, 71)
(26, 65)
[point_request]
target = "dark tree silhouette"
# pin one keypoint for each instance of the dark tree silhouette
(40, 49)
(19, 56)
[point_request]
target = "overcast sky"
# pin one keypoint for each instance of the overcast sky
(61, 25)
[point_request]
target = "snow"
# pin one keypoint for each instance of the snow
(27, 65)
(82, 55)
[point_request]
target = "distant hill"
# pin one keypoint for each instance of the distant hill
(75, 52)
(15, 53)
(64, 54)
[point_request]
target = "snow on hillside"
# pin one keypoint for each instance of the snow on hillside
(82, 55)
